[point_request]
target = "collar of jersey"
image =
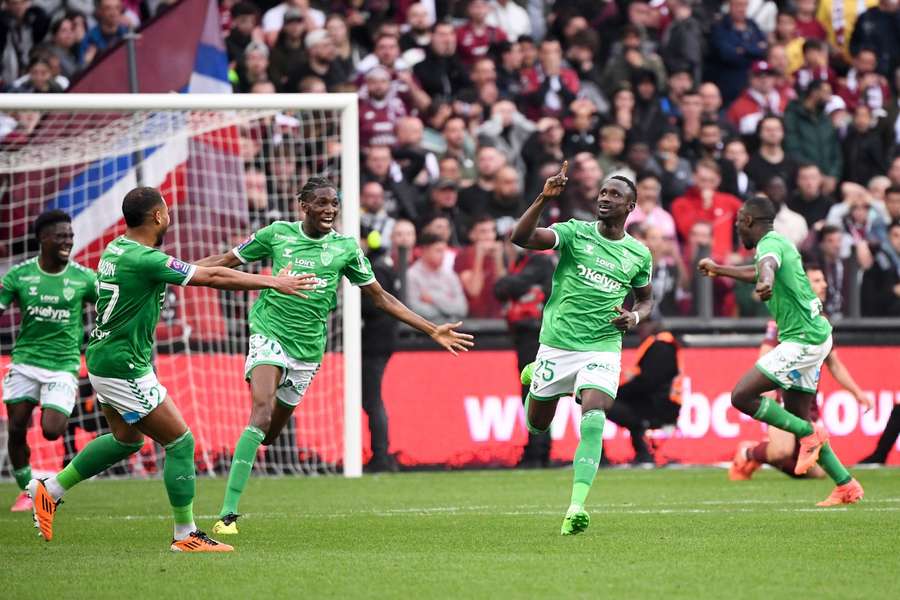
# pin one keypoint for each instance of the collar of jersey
(131, 241)
(314, 240)
(596, 233)
(37, 263)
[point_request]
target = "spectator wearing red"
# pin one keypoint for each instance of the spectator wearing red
(863, 84)
(474, 39)
(704, 202)
(815, 65)
(378, 110)
(758, 100)
(403, 84)
(548, 87)
(808, 25)
(480, 265)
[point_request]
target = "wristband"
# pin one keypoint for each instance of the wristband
(637, 317)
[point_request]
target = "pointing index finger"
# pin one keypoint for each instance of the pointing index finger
(565, 168)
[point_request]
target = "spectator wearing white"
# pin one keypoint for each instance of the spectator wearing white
(761, 98)
(273, 19)
(648, 211)
(788, 223)
(432, 291)
(372, 213)
(507, 130)
(510, 17)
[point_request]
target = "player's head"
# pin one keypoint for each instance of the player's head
(755, 219)
(817, 280)
(320, 203)
(145, 207)
(53, 230)
(617, 198)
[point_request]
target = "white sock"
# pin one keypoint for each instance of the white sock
(54, 488)
(182, 531)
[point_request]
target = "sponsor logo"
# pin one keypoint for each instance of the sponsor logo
(589, 248)
(303, 262)
(288, 252)
(99, 334)
(48, 313)
(178, 266)
(106, 268)
(47, 298)
(600, 281)
(244, 244)
(32, 290)
(602, 262)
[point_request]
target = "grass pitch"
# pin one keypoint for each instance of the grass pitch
(489, 534)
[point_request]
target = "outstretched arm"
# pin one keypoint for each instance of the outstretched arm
(444, 335)
(526, 233)
(710, 268)
(224, 278)
(842, 376)
(220, 260)
(639, 312)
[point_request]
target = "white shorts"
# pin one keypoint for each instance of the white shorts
(561, 373)
(795, 366)
(134, 399)
(296, 375)
(56, 390)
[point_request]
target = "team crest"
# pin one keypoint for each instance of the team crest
(326, 257)
(589, 248)
(68, 294)
(626, 263)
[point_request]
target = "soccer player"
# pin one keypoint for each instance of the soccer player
(804, 343)
(287, 335)
(50, 291)
(583, 321)
(780, 448)
(132, 279)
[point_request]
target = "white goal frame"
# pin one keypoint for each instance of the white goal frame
(347, 104)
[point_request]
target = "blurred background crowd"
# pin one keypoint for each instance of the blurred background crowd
(467, 106)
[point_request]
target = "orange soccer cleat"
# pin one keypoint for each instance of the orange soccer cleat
(742, 466)
(198, 541)
(44, 508)
(810, 446)
(849, 493)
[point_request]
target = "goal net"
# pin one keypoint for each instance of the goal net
(227, 166)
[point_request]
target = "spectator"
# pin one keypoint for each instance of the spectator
(836, 270)
(667, 269)
(253, 67)
(863, 84)
(809, 134)
(511, 18)
(579, 199)
(809, 200)
(321, 61)
(399, 198)
(704, 202)
(372, 215)
(892, 203)
(788, 223)
(507, 130)
(65, 47)
(418, 165)
(441, 74)
(548, 87)
(273, 19)
(482, 74)
(255, 186)
(861, 221)
(378, 110)
(864, 154)
(879, 29)
(448, 168)
(881, 283)
(674, 172)
(582, 134)
(789, 39)
(432, 291)
(418, 28)
(22, 27)
(348, 53)
(480, 265)
(735, 42)
(244, 23)
(878, 186)
(444, 203)
(808, 26)
(289, 49)
(505, 204)
(711, 102)
(770, 160)
(403, 237)
(509, 68)
(460, 146)
(544, 145)
(108, 31)
(736, 153)
(763, 13)
(649, 117)
(757, 101)
(39, 79)
(475, 38)
(648, 211)
(612, 147)
(489, 162)
(630, 58)
(680, 82)
(683, 40)
(815, 65)
(580, 55)
(710, 145)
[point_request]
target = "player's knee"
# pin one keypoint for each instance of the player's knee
(740, 399)
(261, 418)
(52, 432)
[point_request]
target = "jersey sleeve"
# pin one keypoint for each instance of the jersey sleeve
(90, 294)
(160, 267)
(565, 233)
(769, 247)
(642, 277)
(8, 287)
(358, 269)
(255, 247)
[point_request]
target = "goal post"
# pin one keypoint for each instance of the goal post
(227, 165)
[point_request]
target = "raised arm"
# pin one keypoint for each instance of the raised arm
(444, 335)
(224, 278)
(746, 273)
(526, 233)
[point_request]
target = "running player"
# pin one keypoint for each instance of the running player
(804, 343)
(133, 276)
(50, 290)
(287, 335)
(780, 448)
(583, 322)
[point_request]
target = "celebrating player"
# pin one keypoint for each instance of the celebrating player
(780, 449)
(804, 342)
(287, 335)
(583, 322)
(133, 276)
(50, 291)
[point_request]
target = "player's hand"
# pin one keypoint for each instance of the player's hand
(707, 266)
(293, 285)
(865, 401)
(451, 340)
(763, 290)
(625, 321)
(554, 186)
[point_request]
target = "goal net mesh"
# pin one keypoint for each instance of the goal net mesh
(224, 175)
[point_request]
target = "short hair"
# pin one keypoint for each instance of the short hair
(760, 207)
(645, 175)
(627, 182)
(807, 165)
(479, 219)
(894, 189)
(611, 131)
(893, 224)
(813, 44)
(138, 203)
(768, 117)
(708, 163)
(813, 86)
(312, 184)
(812, 265)
(50, 217)
(828, 230)
(429, 239)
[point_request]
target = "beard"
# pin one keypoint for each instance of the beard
(159, 239)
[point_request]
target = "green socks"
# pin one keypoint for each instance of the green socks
(830, 463)
(23, 476)
(587, 455)
(241, 466)
(100, 454)
(775, 415)
(179, 477)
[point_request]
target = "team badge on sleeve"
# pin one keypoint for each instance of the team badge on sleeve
(178, 266)
(245, 243)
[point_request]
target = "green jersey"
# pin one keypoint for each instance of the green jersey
(796, 309)
(299, 324)
(132, 281)
(52, 329)
(592, 278)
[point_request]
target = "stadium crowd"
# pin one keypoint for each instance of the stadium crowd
(467, 106)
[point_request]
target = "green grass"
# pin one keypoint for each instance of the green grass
(489, 534)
